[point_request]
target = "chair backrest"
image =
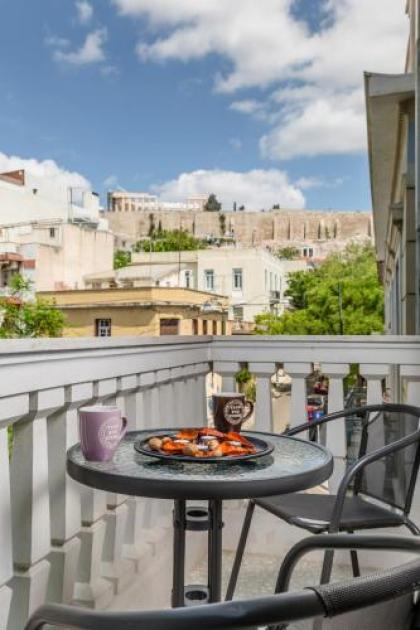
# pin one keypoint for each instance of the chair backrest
(391, 479)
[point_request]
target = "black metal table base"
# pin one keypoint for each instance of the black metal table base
(192, 595)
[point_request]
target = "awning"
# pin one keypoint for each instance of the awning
(384, 93)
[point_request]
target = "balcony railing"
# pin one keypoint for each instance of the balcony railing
(64, 542)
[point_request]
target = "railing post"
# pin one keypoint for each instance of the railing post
(11, 409)
(65, 501)
(298, 373)
(336, 430)
(31, 505)
(374, 374)
(264, 408)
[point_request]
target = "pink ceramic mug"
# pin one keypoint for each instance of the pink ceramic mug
(101, 429)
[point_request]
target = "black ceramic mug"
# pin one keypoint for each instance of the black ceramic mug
(230, 410)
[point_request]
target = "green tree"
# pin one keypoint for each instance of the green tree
(288, 253)
(170, 241)
(222, 224)
(21, 317)
(342, 295)
(212, 204)
(122, 258)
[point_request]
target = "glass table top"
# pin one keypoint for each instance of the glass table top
(294, 464)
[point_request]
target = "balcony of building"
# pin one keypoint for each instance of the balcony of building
(63, 542)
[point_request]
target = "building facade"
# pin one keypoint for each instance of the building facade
(51, 234)
(253, 279)
(147, 311)
(25, 198)
(391, 139)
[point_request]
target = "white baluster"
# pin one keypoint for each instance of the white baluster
(263, 409)
(10, 410)
(166, 407)
(410, 374)
(30, 505)
(227, 371)
(298, 373)
(115, 568)
(90, 589)
(65, 502)
(411, 377)
(200, 392)
(177, 375)
(374, 374)
(336, 429)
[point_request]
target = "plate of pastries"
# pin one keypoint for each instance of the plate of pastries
(204, 445)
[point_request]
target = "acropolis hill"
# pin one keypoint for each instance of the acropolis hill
(328, 229)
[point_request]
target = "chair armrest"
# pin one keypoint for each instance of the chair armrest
(358, 466)
(238, 614)
(332, 416)
(342, 541)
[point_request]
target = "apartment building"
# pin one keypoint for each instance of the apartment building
(253, 279)
(51, 234)
(390, 102)
(146, 311)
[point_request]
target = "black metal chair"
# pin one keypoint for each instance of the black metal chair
(334, 602)
(385, 471)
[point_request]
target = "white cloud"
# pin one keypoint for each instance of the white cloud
(47, 169)
(235, 143)
(84, 11)
(110, 182)
(305, 183)
(56, 42)
(255, 189)
(92, 51)
(320, 73)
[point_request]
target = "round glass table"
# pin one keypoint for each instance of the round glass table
(293, 465)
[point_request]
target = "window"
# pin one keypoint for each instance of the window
(52, 232)
(266, 279)
(195, 326)
(271, 280)
(237, 279)
(188, 279)
(238, 313)
(102, 327)
(169, 326)
(214, 327)
(205, 328)
(209, 279)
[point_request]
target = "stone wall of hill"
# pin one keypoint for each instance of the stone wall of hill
(280, 227)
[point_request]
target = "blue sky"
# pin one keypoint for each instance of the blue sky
(260, 102)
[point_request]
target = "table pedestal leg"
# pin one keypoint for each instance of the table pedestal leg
(215, 551)
(197, 594)
(179, 554)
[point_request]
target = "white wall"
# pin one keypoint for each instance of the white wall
(41, 199)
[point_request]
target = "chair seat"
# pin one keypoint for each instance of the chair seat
(313, 512)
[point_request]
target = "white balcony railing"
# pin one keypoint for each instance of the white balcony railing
(64, 542)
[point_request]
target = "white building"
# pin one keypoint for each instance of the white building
(50, 234)
(25, 198)
(253, 279)
(394, 174)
